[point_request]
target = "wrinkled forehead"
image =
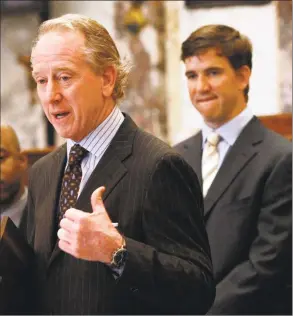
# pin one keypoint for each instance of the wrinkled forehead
(65, 43)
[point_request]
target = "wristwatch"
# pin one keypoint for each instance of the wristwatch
(119, 256)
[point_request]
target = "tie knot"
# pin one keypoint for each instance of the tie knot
(77, 153)
(213, 139)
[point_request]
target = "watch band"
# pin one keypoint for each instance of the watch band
(119, 255)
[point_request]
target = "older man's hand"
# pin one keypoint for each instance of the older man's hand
(89, 236)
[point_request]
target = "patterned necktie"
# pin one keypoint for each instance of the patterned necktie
(71, 180)
(210, 161)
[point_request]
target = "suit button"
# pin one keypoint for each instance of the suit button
(134, 289)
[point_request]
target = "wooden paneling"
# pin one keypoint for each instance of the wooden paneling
(35, 154)
(280, 123)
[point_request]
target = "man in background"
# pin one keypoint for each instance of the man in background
(246, 176)
(126, 208)
(13, 168)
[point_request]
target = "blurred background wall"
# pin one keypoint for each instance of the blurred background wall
(148, 34)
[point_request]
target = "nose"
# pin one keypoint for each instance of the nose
(53, 93)
(202, 84)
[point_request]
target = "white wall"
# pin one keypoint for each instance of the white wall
(259, 23)
(17, 34)
(102, 11)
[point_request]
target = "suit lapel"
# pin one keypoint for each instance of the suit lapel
(193, 153)
(108, 172)
(239, 155)
(45, 221)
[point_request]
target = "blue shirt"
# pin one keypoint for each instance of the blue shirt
(229, 132)
(96, 144)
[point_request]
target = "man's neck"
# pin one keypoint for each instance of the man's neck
(219, 123)
(105, 113)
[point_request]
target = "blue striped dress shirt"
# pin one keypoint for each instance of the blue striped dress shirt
(96, 144)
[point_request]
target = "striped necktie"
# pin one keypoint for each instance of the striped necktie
(210, 161)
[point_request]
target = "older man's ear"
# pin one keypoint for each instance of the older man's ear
(108, 81)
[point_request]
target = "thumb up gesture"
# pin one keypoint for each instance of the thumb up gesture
(89, 236)
(97, 201)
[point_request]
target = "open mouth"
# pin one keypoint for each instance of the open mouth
(61, 115)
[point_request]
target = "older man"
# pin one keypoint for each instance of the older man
(13, 165)
(127, 208)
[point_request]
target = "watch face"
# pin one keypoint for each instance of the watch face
(120, 257)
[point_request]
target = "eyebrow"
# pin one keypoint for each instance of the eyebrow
(214, 68)
(191, 72)
(58, 69)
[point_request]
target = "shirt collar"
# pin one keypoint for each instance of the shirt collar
(14, 211)
(230, 131)
(88, 142)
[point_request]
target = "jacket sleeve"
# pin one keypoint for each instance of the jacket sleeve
(28, 219)
(172, 268)
(270, 256)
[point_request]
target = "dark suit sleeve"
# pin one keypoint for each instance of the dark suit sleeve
(172, 268)
(270, 255)
(27, 222)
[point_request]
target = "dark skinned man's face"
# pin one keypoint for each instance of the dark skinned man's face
(12, 167)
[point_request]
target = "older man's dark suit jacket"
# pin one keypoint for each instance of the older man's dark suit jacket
(248, 215)
(155, 197)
